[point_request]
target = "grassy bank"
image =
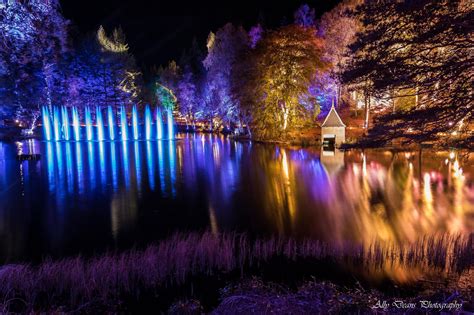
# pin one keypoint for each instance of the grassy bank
(199, 264)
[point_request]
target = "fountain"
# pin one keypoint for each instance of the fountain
(75, 123)
(123, 123)
(56, 124)
(46, 123)
(110, 114)
(170, 123)
(88, 124)
(100, 124)
(135, 122)
(159, 124)
(65, 120)
(56, 121)
(147, 122)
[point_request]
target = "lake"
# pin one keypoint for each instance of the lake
(91, 197)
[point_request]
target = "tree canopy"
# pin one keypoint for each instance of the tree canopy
(418, 48)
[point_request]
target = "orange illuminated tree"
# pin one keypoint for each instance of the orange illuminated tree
(276, 74)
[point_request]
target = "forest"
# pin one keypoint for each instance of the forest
(401, 72)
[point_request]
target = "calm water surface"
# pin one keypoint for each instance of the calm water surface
(91, 197)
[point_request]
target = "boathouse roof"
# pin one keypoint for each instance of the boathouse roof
(333, 119)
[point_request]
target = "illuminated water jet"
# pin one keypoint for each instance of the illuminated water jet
(56, 121)
(46, 123)
(65, 121)
(147, 122)
(76, 124)
(100, 124)
(110, 114)
(123, 123)
(159, 124)
(135, 122)
(170, 123)
(88, 119)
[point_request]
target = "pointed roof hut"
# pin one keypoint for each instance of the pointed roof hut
(333, 130)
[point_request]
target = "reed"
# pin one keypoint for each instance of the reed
(74, 281)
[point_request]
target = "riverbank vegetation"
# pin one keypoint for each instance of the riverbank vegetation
(197, 265)
(398, 72)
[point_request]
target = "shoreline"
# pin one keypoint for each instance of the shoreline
(306, 144)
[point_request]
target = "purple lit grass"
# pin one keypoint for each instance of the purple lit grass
(75, 281)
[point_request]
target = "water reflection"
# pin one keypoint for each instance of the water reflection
(80, 168)
(93, 195)
(150, 165)
(113, 165)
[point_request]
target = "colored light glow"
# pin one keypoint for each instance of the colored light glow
(65, 120)
(76, 124)
(46, 123)
(159, 124)
(56, 122)
(125, 165)
(138, 168)
(150, 165)
(123, 123)
(79, 168)
(110, 115)
(147, 122)
(90, 154)
(69, 170)
(100, 124)
(170, 123)
(88, 119)
(135, 122)
(113, 162)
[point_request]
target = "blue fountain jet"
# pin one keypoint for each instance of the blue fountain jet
(88, 123)
(159, 124)
(76, 124)
(100, 124)
(65, 119)
(56, 121)
(135, 122)
(148, 122)
(123, 123)
(46, 123)
(170, 124)
(110, 114)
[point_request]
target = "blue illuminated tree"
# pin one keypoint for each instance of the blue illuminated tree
(33, 38)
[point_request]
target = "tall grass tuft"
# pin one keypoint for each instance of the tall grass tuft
(74, 281)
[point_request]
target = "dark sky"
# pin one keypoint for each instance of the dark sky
(158, 31)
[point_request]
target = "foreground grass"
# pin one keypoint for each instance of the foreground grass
(117, 279)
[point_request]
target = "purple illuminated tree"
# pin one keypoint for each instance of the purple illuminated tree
(305, 16)
(33, 39)
(224, 49)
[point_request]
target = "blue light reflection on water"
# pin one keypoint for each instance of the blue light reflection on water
(113, 164)
(125, 165)
(79, 169)
(150, 164)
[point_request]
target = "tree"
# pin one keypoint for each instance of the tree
(99, 76)
(422, 49)
(305, 16)
(279, 72)
(33, 39)
(338, 29)
(255, 35)
(224, 48)
(190, 83)
(120, 76)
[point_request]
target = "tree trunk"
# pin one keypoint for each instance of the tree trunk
(367, 111)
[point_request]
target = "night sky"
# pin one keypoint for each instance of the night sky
(158, 31)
